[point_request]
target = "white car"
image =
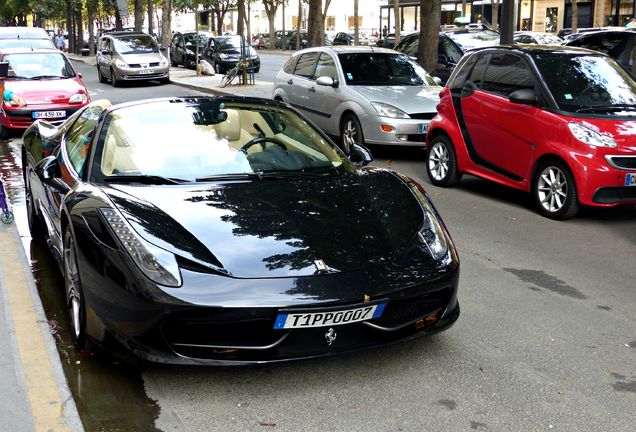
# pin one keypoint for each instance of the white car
(360, 95)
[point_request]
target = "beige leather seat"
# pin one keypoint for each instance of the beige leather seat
(232, 131)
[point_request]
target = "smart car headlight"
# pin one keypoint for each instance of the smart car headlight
(78, 98)
(156, 263)
(590, 136)
(386, 110)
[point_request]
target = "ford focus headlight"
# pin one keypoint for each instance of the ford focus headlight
(590, 136)
(386, 110)
(156, 263)
(78, 98)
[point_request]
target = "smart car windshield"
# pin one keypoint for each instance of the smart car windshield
(587, 83)
(207, 139)
(136, 45)
(38, 65)
(382, 69)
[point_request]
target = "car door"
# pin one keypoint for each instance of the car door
(301, 81)
(500, 134)
(327, 99)
(104, 56)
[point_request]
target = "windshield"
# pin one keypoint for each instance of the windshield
(136, 45)
(474, 39)
(382, 69)
(35, 65)
(547, 39)
(581, 82)
(191, 39)
(230, 45)
(207, 138)
(26, 43)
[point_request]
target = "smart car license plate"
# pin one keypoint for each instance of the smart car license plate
(422, 128)
(329, 317)
(48, 114)
(145, 71)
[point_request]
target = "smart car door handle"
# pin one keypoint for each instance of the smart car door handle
(312, 89)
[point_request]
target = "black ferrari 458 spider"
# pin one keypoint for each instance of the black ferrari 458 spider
(213, 230)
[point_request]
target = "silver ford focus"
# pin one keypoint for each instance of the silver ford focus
(361, 95)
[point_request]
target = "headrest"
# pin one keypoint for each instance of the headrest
(230, 129)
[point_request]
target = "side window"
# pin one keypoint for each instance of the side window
(79, 137)
(290, 64)
(326, 67)
(451, 51)
(478, 71)
(410, 47)
(306, 65)
(507, 73)
(458, 78)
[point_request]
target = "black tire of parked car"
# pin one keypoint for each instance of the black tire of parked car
(442, 152)
(4, 132)
(113, 79)
(546, 175)
(102, 79)
(173, 61)
(75, 304)
(350, 133)
(34, 220)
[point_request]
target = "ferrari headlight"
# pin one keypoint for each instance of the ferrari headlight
(386, 110)
(156, 263)
(78, 98)
(432, 234)
(590, 136)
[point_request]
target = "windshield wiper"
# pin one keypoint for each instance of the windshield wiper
(262, 175)
(230, 177)
(615, 107)
(39, 77)
(145, 179)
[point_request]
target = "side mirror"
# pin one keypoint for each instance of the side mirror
(327, 81)
(360, 156)
(524, 97)
(437, 80)
(48, 171)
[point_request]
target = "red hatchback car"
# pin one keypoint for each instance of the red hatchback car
(47, 82)
(558, 122)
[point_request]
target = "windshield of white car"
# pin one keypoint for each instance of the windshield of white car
(208, 138)
(382, 69)
(474, 39)
(587, 83)
(38, 65)
(136, 45)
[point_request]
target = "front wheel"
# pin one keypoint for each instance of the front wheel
(114, 80)
(441, 162)
(74, 294)
(554, 191)
(36, 225)
(100, 77)
(350, 133)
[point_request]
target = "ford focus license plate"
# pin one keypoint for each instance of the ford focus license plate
(630, 179)
(48, 114)
(329, 317)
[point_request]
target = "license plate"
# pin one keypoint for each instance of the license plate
(630, 179)
(145, 71)
(328, 318)
(422, 128)
(48, 114)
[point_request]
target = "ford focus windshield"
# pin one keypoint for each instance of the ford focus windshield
(588, 83)
(381, 69)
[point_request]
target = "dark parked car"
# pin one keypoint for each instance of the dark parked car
(229, 231)
(224, 52)
(278, 38)
(291, 42)
(184, 46)
(557, 122)
(452, 46)
(387, 41)
(348, 38)
(618, 44)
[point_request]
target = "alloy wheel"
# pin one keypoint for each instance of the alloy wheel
(438, 161)
(351, 134)
(552, 189)
(73, 290)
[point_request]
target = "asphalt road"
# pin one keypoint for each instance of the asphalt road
(546, 339)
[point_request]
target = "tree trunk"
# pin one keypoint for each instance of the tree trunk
(575, 16)
(151, 24)
(119, 26)
(430, 17)
(315, 23)
(79, 40)
(495, 14)
(271, 7)
(139, 14)
(69, 22)
(240, 22)
(91, 8)
(356, 26)
(166, 23)
(298, 21)
(398, 21)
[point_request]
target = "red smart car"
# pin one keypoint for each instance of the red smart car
(558, 122)
(47, 82)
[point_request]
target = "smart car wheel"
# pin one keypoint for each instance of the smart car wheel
(350, 133)
(555, 191)
(441, 163)
(74, 293)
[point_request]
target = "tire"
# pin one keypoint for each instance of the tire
(102, 79)
(554, 190)
(4, 132)
(165, 80)
(173, 62)
(350, 133)
(441, 163)
(229, 77)
(75, 304)
(114, 80)
(34, 220)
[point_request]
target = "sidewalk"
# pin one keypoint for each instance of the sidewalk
(188, 78)
(34, 395)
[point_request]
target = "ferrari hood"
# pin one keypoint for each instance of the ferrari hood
(279, 227)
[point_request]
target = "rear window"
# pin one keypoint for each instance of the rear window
(306, 65)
